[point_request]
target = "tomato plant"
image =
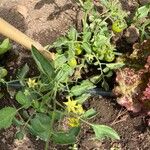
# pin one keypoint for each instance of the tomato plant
(51, 103)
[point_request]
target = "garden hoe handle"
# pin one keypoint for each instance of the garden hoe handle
(14, 34)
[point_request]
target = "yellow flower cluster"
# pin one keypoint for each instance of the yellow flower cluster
(74, 107)
(31, 83)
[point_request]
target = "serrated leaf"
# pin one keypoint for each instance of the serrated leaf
(5, 46)
(86, 47)
(106, 69)
(115, 65)
(105, 85)
(23, 72)
(103, 131)
(7, 114)
(23, 99)
(81, 99)
(17, 122)
(44, 65)
(72, 34)
(59, 60)
(109, 74)
(96, 79)
(66, 137)
(40, 126)
(60, 41)
(64, 73)
(88, 4)
(86, 36)
(89, 113)
(143, 11)
(82, 88)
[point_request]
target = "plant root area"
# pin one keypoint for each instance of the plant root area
(44, 21)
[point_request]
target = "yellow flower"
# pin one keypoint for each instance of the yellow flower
(71, 105)
(73, 122)
(79, 110)
(31, 83)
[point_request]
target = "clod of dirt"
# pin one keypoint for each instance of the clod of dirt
(22, 10)
(144, 2)
(92, 144)
(24, 144)
(132, 34)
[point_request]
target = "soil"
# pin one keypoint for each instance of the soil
(44, 21)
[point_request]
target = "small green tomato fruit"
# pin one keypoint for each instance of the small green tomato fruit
(118, 26)
(3, 72)
(72, 62)
(78, 49)
(109, 57)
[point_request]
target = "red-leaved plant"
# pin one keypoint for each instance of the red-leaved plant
(133, 81)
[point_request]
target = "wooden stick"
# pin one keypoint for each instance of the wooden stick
(14, 34)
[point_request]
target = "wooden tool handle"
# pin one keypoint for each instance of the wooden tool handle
(14, 34)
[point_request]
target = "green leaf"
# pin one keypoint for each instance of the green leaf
(143, 11)
(23, 72)
(71, 48)
(60, 41)
(40, 126)
(105, 85)
(7, 114)
(86, 36)
(3, 72)
(57, 114)
(96, 79)
(82, 88)
(23, 99)
(86, 47)
(72, 34)
(89, 113)
(81, 99)
(59, 60)
(66, 137)
(44, 65)
(115, 65)
(17, 122)
(64, 73)
(103, 131)
(109, 74)
(5, 46)
(19, 135)
(88, 4)
(106, 69)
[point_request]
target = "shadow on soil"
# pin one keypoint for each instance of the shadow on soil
(60, 9)
(14, 18)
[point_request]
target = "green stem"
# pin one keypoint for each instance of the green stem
(52, 121)
(26, 123)
(85, 122)
(81, 3)
(84, 21)
(99, 64)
